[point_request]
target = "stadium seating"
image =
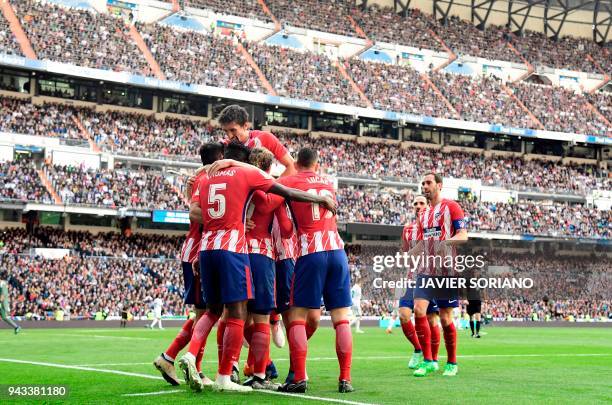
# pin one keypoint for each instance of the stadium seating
(303, 75)
(19, 181)
(560, 109)
(114, 188)
(320, 15)
(195, 58)
(243, 8)
(21, 117)
(80, 37)
(8, 42)
(397, 88)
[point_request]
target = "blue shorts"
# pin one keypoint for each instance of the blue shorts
(407, 301)
(264, 279)
(444, 297)
(284, 274)
(225, 276)
(193, 293)
(322, 274)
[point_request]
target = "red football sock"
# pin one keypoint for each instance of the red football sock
(344, 348)
(201, 331)
(260, 345)
(424, 333)
(274, 317)
(220, 332)
(310, 330)
(248, 336)
(298, 349)
(232, 343)
(450, 341)
(411, 335)
(435, 341)
(199, 358)
(181, 340)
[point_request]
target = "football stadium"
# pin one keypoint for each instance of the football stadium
(305, 201)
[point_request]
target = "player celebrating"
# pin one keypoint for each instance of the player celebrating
(234, 120)
(209, 153)
(225, 268)
(5, 309)
(320, 271)
(440, 225)
(406, 303)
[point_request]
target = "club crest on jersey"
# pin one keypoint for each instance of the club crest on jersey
(437, 216)
(433, 232)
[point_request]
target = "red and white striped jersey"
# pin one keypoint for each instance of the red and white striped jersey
(283, 237)
(224, 198)
(409, 236)
(261, 211)
(439, 223)
(191, 246)
(317, 230)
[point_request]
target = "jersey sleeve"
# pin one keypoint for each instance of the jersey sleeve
(457, 216)
(271, 142)
(283, 217)
(258, 179)
(265, 203)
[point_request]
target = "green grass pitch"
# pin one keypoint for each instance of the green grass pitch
(508, 365)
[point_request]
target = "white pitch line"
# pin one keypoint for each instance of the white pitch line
(100, 336)
(152, 377)
(144, 394)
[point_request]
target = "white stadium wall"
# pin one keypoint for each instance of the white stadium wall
(72, 158)
(6, 153)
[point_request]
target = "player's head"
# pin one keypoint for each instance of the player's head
(307, 159)
(419, 203)
(211, 152)
(431, 185)
(234, 120)
(261, 158)
(237, 151)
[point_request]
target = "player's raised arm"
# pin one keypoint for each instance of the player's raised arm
(301, 196)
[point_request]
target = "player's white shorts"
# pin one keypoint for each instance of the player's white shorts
(356, 310)
(157, 313)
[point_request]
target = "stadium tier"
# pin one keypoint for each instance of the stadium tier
(107, 42)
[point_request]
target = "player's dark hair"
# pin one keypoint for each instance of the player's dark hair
(437, 177)
(211, 152)
(237, 151)
(261, 158)
(307, 157)
(233, 113)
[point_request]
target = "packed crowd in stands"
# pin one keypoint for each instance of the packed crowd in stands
(195, 58)
(20, 181)
(86, 244)
(244, 8)
(135, 188)
(319, 15)
(20, 116)
(8, 43)
(560, 109)
(303, 75)
(132, 133)
(82, 37)
(481, 100)
(397, 88)
(81, 287)
(603, 101)
(380, 160)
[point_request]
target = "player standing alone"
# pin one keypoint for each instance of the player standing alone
(5, 309)
(440, 226)
(320, 271)
(158, 304)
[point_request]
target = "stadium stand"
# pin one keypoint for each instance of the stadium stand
(113, 188)
(21, 117)
(195, 58)
(20, 181)
(80, 37)
(303, 75)
(319, 15)
(8, 42)
(397, 88)
(560, 109)
(245, 8)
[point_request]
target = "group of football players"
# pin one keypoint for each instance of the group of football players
(260, 250)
